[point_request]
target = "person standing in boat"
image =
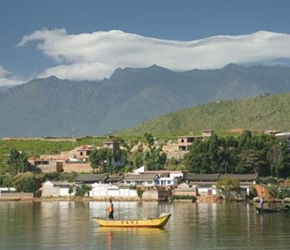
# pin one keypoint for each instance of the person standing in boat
(262, 203)
(110, 210)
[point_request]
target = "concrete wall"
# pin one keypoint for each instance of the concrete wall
(117, 193)
(49, 191)
(150, 195)
(16, 195)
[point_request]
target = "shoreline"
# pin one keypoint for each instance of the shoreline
(102, 199)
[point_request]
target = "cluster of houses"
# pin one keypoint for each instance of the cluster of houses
(77, 160)
(156, 185)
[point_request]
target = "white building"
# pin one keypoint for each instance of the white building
(166, 177)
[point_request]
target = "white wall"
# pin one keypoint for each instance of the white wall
(114, 193)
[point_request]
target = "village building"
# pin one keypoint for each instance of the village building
(91, 178)
(166, 177)
(76, 160)
(185, 189)
(103, 191)
(245, 180)
(185, 142)
(203, 183)
(56, 189)
(141, 179)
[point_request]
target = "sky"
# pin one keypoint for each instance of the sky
(89, 39)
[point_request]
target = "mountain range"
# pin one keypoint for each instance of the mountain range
(52, 107)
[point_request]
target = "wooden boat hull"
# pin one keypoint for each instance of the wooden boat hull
(283, 209)
(267, 210)
(147, 222)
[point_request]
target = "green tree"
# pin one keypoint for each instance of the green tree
(25, 183)
(252, 161)
(278, 158)
(227, 186)
(83, 190)
(101, 159)
(137, 157)
(70, 190)
(155, 159)
(18, 162)
(245, 139)
(197, 159)
(150, 139)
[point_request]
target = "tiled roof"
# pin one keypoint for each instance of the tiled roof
(117, 178)
(140, 177)
(241, 177)
(91, 177)
(215, 177)
(201, 177)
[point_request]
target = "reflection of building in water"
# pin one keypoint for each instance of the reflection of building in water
(110, 238)
(65, 221)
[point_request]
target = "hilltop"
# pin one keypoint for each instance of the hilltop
(261, 113)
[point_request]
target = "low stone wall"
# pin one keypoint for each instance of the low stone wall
(17, 195)
(185, 192)
(150, 195)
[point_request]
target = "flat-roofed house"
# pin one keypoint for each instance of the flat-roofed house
(184, 142)
(76, 160)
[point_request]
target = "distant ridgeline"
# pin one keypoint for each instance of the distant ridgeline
(52, 107)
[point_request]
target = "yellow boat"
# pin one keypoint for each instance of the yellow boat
(146, 222)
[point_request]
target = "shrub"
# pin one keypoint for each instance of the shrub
(83, 190)
(139, 192)
(253, 192)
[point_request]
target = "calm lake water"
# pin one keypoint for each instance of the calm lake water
(70, 225)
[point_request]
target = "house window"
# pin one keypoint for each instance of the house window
(190, 140)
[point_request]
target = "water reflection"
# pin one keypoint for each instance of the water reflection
(110, 238)
(70, 225)
(132, 237)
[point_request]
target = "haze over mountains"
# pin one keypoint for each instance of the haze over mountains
(54, 107)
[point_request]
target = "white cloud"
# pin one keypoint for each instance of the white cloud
(78, 71)
(97, 55)
(6, 80)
